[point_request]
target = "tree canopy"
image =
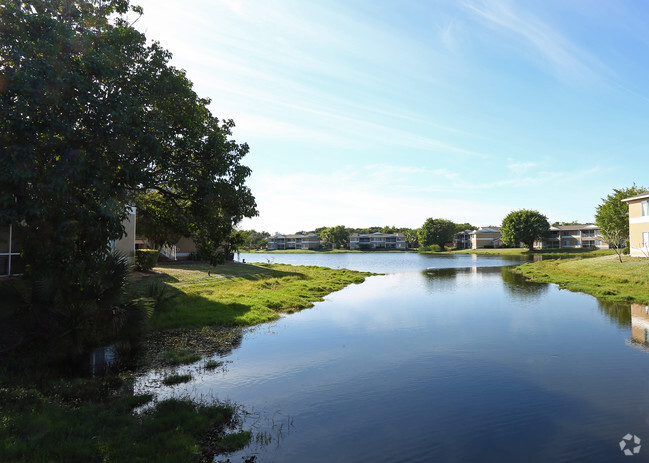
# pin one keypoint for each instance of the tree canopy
(436, 231)
(338, 235)
(92, 115)
(524, 226)
(612, 214)
(612, 217)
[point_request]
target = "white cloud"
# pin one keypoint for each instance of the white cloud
(292, 202)
(566, 58)
(519, 168)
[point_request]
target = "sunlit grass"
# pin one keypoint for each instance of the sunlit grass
(242, 294)
(604, 277)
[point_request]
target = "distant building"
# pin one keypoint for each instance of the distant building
(487, 237)
(377, 241)
(283, 242)
(463, 239)
(573, 236)
(639, 224)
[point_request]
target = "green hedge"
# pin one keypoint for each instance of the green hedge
(146, 259)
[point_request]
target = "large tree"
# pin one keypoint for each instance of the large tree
(91, 114)
(612, 217)
(436, 231)
(524, 226)
(338, 235)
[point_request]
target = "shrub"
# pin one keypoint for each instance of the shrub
(430, 248)
(627, 248)
(146, 259)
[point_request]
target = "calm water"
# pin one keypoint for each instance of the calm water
(462, 362)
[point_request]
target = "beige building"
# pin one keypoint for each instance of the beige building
(573, 236)
(640, 324)
(126, 244)
(377, 241)
(488, 237)
(283, 242)
(639, 224)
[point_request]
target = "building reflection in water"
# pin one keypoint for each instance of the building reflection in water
(640, 325)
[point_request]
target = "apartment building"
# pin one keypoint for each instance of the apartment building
(487, 237)
(377, 241)
(639, 224)
(283, 242)
(463, 239)
(573, 236)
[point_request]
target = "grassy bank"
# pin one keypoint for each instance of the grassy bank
(240, 294)
(604, 277)
(50, 414)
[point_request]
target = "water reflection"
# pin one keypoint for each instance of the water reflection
(519, 287)
(640, 325)
(618, 312)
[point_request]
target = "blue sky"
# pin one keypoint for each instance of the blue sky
(375, 112)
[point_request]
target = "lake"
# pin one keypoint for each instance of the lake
(444, 358)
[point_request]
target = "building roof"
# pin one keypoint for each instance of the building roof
(311, 235)
(644, 195)
(353, 235)
(578, 226)
(486, 230)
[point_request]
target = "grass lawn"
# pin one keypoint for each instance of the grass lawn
(604, 277)
(239, 294)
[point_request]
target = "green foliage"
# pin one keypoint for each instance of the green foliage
(243, 294)
(602, 277)
(460, 227)
(146, 259)
(338, 235)
(436, 231)
(55, 425)
(612, 216)
(174, 357)
(92, 114)
(160, 221)
(430, 248)
(174, 379)
(524, 226)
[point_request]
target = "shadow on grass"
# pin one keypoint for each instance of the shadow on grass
(192, 306)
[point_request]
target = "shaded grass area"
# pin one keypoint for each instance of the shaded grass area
(604, 277)
(64, 419)
(241, 294)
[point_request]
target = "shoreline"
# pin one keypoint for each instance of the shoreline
(200, 311)
(603, 277)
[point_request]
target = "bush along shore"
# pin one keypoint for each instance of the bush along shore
(604, 277)
(53, 412)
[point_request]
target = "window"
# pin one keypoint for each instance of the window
(10, 260)
(645, 239)
(645, 208)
